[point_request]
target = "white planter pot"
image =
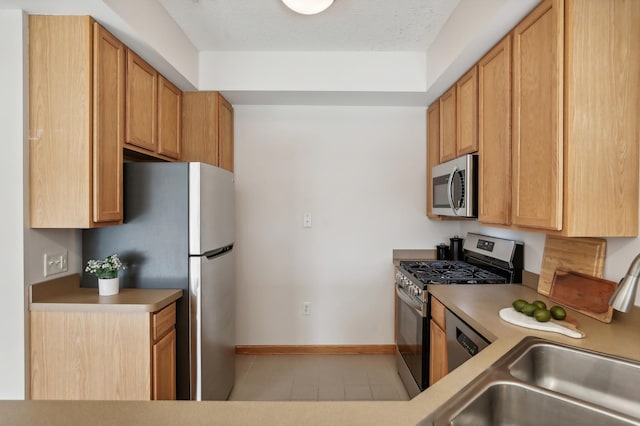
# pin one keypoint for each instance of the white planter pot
(108, 286)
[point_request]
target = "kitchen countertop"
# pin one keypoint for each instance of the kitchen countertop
(476, 304)
(65, 295)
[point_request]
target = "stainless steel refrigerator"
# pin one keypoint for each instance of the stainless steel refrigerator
(178, 232)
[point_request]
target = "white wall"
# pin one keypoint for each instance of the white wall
(360, 172)
(143, 25)
(313, 71)
(471, 30)
(12, 130)
(148, 29)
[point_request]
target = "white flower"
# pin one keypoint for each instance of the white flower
(105, 268)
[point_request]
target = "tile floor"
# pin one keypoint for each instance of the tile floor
(317, 378)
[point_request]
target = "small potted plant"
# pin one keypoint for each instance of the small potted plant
(107, 272)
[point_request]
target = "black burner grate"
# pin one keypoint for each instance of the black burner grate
(450, 272)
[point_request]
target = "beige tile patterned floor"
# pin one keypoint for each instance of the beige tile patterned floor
(317, 378)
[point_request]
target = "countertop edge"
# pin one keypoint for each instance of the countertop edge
(109, 304)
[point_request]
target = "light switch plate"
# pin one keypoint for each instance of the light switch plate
(55, 263)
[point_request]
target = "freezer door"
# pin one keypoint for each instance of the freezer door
(211, 208)
(212, 300)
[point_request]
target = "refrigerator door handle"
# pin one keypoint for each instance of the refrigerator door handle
(212, 254)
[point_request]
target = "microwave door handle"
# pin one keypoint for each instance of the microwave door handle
(450, 192)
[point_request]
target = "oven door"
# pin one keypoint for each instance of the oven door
(412, 342)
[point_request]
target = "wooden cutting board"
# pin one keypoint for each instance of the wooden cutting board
(584, 293)
(583, 255)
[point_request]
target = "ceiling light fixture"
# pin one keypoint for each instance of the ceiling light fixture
(308, 7)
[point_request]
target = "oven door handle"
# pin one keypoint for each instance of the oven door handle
(450, 192)
(418, 307)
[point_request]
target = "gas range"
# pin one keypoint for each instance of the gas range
(487, 260)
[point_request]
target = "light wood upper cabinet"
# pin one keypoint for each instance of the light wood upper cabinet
(225, 134)
(576, 103)
(142, 95)
(459, 118)
(433, 150)
(448, 125)
(601, 117)
(537, 118)
(108, 125)
(199, 127)
(494, 135)
(467, 113)
(76, 123)
(153, 111)
(169, 118)
(207, 131)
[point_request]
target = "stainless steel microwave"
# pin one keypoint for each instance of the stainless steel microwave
(454, 186)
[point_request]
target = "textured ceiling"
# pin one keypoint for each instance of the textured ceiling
(348, 25)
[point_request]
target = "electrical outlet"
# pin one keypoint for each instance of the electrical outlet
(306, 221)
(306, 308)
(55, 263)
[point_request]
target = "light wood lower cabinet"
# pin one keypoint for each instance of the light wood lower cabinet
(164, 367)
(438, 360)
(103, 355)
(438, 357)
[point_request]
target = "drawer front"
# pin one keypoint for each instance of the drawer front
(438, 312)
(163, 321)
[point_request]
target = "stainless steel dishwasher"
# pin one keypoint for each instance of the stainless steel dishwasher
(463, 342)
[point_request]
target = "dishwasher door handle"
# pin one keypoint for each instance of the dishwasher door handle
(463, 342)
(466, 343)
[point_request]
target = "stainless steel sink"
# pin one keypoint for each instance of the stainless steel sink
(515, 404)
(603, 380)
(540, 382)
